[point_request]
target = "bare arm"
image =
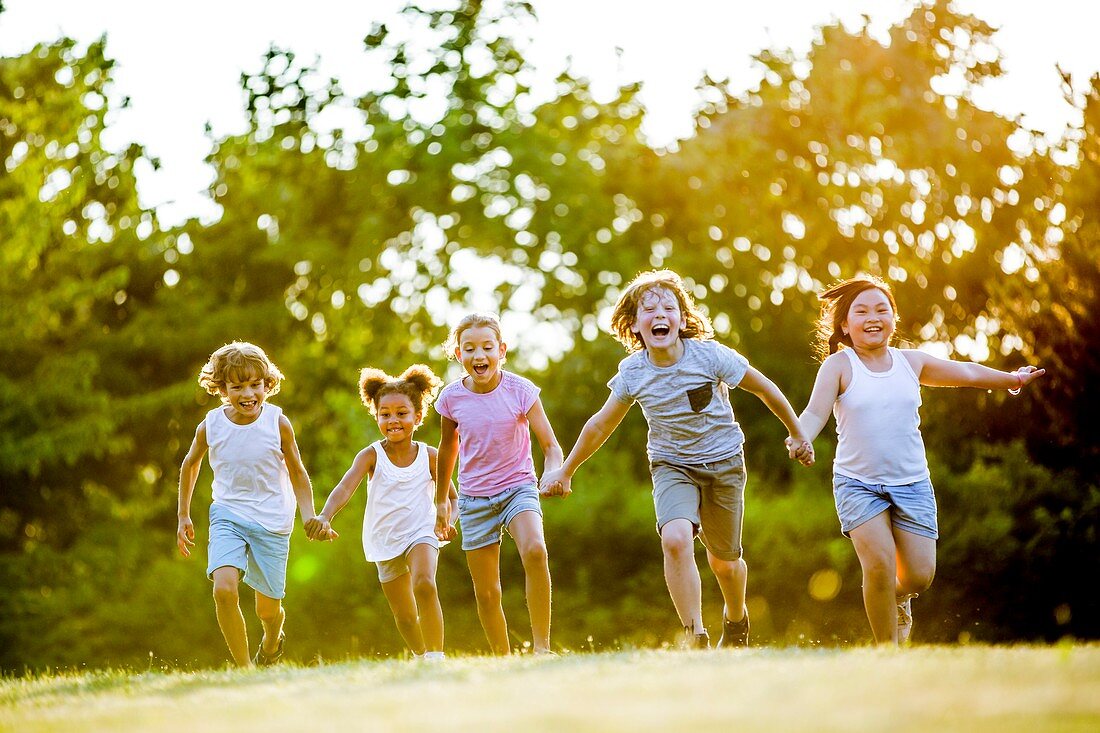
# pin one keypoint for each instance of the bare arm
(299, 479)
(320, 526)
(770, 395)
(824, 396)
(595, 432)
(189, 475)
(935, 372)
(445, 458)
(449, 532)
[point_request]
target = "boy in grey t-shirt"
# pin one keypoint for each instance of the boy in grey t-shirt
(681, 378)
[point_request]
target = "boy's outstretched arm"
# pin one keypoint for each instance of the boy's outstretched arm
(445, 457)
(299, 479)
(189, 475)
(596, 431)
(765, 389)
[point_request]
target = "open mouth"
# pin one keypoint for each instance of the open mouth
(481, 369)
(248, 404)
(661, 331)
(873, 329)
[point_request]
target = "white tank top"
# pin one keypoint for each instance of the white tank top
(400, 505)
(250, 475)
(878, 424)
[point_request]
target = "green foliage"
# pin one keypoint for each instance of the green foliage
(354, 229)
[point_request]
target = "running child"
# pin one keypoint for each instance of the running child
(681, 378)
(487, 417)
(258, 475)
(399, 524)
(884, 496)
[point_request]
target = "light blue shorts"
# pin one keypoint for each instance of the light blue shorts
(483, 518)
(912, 506)
(259, 554)
(395, 567)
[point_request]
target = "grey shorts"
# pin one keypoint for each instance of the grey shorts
(912, 506)
(259, 555)
(709, 495)
(395, 567)
(483, 518)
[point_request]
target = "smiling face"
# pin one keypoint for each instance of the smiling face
(657, 319)
(870, 320)
(397, 417)
(480, 352)
(244, 395)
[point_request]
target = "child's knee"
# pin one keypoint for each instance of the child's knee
(729, 569)
(269, 612)
(488, 595)
(423, 586)
(677, 542)
(226, 592)
(533, 554)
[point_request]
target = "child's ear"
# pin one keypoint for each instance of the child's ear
(458, 355)
(503, 349)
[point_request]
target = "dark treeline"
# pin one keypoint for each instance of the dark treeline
(342, 248)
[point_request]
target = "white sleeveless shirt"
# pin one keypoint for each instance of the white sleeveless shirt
(878, 424)
(250, 475)
(400, 504)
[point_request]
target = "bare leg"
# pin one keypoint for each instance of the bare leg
(270, 611)
(916, 561)
(733, 577)
(526, 528)
(423, 560)
(874, 543)
(682, 574)
(230, 619)
(399, 594)
(484, 564)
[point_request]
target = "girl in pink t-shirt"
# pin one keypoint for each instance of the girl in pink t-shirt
(487, 417)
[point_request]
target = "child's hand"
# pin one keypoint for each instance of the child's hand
(1025, 375)
(555, 483)
(185, 536)
(800, 450)
(319, 528)
(443, 519)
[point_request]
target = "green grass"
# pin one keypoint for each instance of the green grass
(1002, 689)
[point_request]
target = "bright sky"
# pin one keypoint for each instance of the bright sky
(181, 63)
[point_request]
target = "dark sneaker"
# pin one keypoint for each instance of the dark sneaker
(696, 641)
(263, 659)
(734, 633)
(905, 618)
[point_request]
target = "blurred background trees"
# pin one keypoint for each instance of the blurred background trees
(354, 229)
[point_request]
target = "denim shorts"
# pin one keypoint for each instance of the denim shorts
(912, 506)
(395, 567)
(483, 518)
(259, 554)
(709, 495)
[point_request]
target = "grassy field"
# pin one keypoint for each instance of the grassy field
(1002, 689)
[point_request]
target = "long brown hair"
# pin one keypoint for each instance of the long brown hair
(836, 301)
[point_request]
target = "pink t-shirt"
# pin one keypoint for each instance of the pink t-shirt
(494, 438)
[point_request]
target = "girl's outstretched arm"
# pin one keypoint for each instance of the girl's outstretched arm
(445, 458)
(824, 396)
(935, 372)
(544, 434)
(770, 395)
(449, 532)
(597, 430)
(320, 527)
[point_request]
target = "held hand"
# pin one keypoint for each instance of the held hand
(443, 519)
(800, 450)
(319, 528)
(185, 536)
(554, 483)
(1025, 375)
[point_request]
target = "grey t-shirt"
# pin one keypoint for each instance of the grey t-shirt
(687, 404)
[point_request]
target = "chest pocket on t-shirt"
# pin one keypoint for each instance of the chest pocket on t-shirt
(700, 397)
